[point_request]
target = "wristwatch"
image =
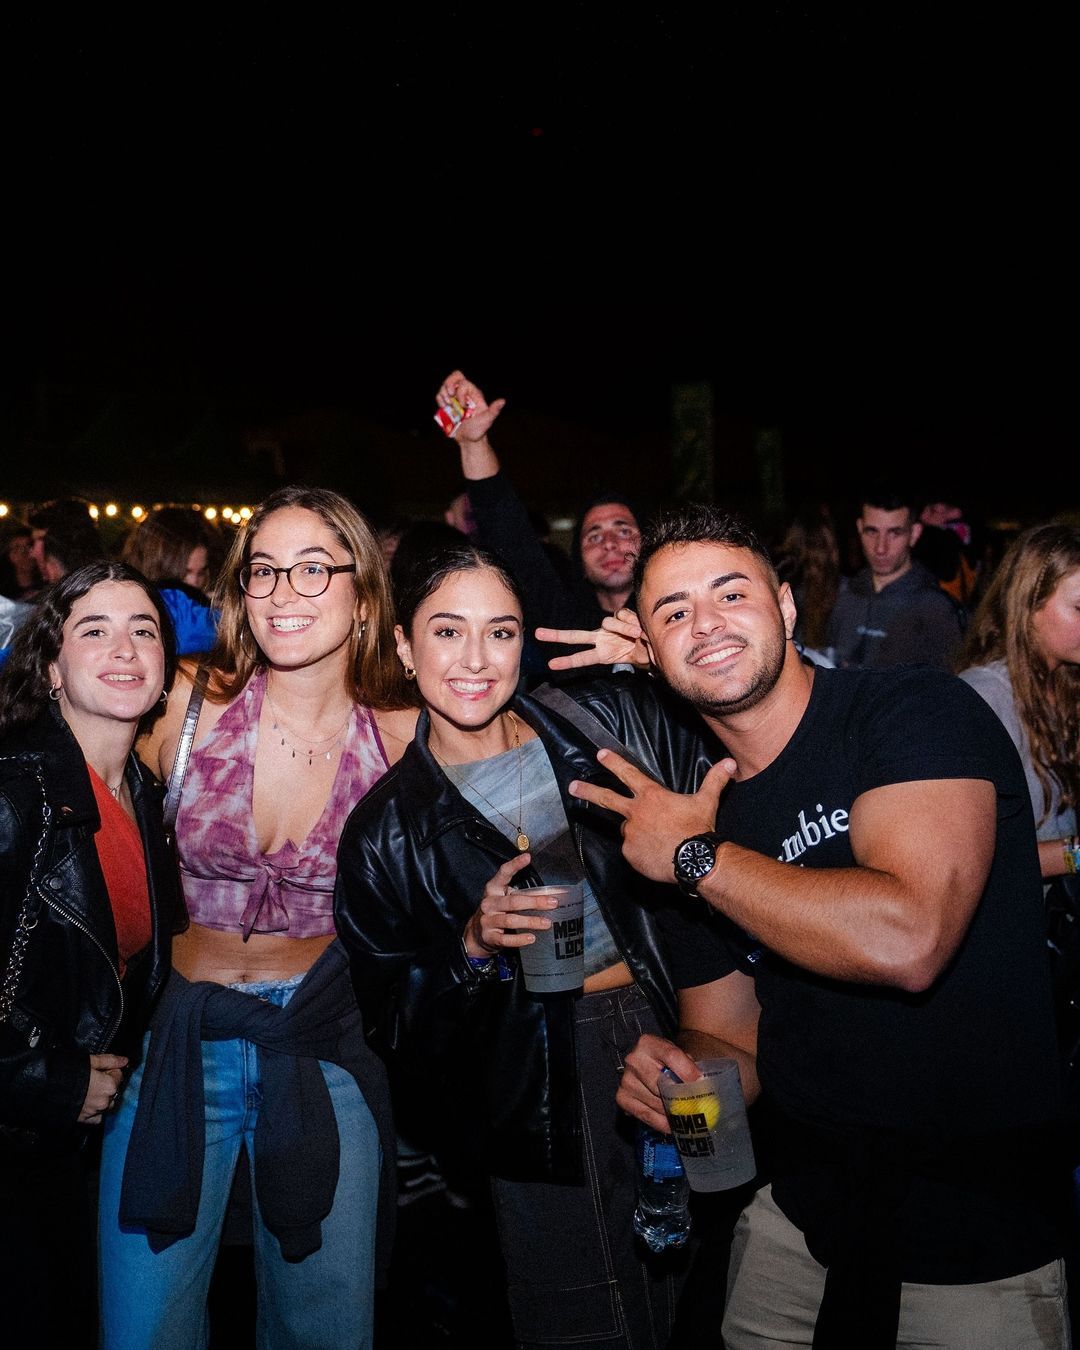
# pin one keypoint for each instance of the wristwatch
(694, 859)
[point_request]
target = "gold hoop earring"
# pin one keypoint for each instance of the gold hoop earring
(410, 672)
(55, 691)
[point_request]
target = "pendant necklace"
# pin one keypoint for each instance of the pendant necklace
(332, 742)
(522, 839)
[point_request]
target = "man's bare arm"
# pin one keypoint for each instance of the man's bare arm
(922, 850)
(478, 458)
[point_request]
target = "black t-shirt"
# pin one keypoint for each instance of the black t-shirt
(973, 1055)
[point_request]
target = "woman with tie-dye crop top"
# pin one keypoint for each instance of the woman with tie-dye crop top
(257, 1046)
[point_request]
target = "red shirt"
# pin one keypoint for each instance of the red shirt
(123, 865)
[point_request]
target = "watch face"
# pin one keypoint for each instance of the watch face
(696, 859)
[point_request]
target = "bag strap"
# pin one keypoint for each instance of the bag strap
(28, 913)
(589, 725)
(183, 747)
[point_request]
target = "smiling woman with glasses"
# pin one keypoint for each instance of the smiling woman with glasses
(258, 1046)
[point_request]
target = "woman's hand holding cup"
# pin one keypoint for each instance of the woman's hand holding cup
(498, 920)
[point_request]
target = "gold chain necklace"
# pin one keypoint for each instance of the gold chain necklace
(522, 840)
(336, 738)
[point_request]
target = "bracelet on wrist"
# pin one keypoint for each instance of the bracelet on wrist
(1072, 855)
(497, 966)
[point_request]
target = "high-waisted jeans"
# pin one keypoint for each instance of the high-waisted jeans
(575, 1275)
(157, 1300)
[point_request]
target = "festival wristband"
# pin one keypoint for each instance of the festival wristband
(494, 967)
(1072, 855)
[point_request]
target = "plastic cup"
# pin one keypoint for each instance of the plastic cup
(555, 962)
(708, 1123)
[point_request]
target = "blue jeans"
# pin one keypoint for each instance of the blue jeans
(157, 1300)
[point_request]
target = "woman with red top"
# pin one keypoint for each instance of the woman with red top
(87, 897)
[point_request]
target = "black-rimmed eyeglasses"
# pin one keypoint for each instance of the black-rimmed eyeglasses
(309, 579)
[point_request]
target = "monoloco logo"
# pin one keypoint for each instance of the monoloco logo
(569, 938)
(693, 1138)
(812, 832)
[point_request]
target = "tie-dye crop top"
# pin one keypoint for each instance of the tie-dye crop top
(229, 884)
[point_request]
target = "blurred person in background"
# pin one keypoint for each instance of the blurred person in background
(171, 547)
(64, 537)
(892, 612)
(808, 559)
(20, 578)
(1022, 654)
(20, 581)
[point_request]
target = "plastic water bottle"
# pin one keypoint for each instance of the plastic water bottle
(662, 1216)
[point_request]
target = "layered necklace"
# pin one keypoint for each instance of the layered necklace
(322, 748)
(522, 839)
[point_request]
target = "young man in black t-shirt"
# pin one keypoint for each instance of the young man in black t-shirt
(867, 854)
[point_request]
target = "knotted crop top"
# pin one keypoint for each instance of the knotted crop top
(228, 882)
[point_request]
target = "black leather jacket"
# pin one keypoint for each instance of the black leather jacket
(68, 1000)
(413, 862)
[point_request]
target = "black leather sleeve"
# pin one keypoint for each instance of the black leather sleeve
(411, 976)
(42, 1084)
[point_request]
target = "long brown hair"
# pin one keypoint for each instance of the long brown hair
(161, 545)
(375, 676)
(1001, 629)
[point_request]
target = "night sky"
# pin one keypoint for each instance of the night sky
(852, 226)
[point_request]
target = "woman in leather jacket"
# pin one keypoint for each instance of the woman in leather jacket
(428, 905)
(87, 895)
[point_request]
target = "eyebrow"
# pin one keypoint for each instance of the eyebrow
(618, 520)
(714, 585)
(301, 553)
(107, 618)
(460, 618)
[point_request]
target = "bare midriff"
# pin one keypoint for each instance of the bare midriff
(614, 977)
(225, 958)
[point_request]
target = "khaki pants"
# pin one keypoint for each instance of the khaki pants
(775, 1287)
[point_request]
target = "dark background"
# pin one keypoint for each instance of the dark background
(245, 250)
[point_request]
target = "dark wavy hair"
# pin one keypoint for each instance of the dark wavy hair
(24, 681)
(699, 523)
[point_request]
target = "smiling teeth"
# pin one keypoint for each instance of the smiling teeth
(715, 656)
(469, 686)
(121, 679)
(289, 625)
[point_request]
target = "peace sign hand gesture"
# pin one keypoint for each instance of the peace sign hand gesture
(656, 820)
